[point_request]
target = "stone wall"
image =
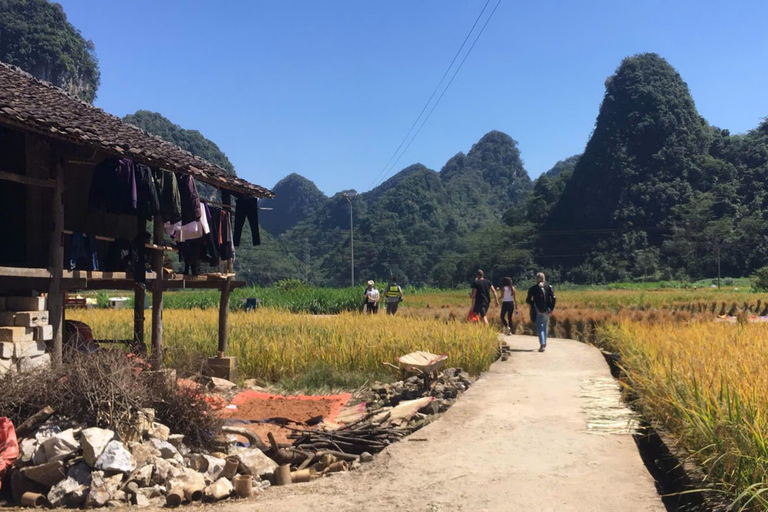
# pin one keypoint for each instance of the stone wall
(24, 330)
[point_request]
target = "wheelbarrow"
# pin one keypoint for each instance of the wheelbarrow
(419, 363)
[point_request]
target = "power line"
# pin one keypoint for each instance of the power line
(446, 88)
(437, 87)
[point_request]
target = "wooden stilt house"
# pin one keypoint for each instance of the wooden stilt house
(50, 146)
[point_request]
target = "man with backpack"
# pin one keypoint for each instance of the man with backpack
(541, 298)
(394, 294)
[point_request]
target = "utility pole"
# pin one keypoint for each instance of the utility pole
(351, 236)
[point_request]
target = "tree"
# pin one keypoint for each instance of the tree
(36, 36)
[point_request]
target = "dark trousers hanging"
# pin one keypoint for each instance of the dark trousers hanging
(83, 245)
(247, 207)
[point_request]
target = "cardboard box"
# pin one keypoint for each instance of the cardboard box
(31, 318)
(17, 334)
(43, 332)
(25, 303)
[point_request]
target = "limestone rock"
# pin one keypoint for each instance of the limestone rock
(81, 473)
(154, 491)
(221, 385)
(166, 449)
(254, 462)
(143, 476)
(116, 457)
(96, 498)
(94, 441)
(215, 467)
(220, 489)
(366, 457)
(59, 493)
(177, 440)
(143, 453)
(48, 474)
(159, 431)
(60, 446)
(165, 471)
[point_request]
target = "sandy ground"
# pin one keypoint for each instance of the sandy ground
(522, 438)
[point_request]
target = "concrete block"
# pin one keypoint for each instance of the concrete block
(27, 364)
(31, 318)
(44, 332)
(5, 366)
(7, 318)
(6, 350)
(16, 334)
(29, 348)
(223, 367)
(25, 303)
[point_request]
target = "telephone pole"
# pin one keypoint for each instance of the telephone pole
(349, 197)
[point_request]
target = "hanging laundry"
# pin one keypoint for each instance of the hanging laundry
(210, 249)
(168, 192)
(247, 207)
(114, 186)
(190, 200)
(147, 202)
(83, 245)
(226, 245)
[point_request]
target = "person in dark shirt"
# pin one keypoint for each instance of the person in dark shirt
(541, 298)
(481, 295)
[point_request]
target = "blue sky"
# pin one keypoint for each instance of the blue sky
(328, 89)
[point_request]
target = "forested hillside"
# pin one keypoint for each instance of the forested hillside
(295, 199)
(36, 36)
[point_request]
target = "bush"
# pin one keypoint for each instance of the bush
(760, 280)
(107, 389)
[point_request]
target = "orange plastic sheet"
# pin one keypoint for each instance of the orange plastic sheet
(9, 446)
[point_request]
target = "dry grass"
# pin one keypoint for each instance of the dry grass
(707, 383)
(273, 345)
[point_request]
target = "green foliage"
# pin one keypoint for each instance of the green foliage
(191, 140)
(36, 36)
(295, 199)
(760, 280)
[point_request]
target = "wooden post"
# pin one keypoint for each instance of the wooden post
(226, 288)
(139, 294)
(157, 295)
(56, 263)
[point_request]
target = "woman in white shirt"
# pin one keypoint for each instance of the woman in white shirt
(371, 298)
(508, 304)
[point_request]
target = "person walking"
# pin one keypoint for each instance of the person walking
(371, 299)
(541, 298)
(481, 295)
(394, 295)
(508, 304)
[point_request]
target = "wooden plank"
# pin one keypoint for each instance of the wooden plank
(27, 180)
(56, 264)
(153, 247)
(224, 316)
(139, 293)
(43, 273)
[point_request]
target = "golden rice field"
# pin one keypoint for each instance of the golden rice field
(708, 384)
(271, 345)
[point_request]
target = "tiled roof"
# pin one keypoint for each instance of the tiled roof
(28, 103)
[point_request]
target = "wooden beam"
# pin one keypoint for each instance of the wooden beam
(224, 316)
(27, 180)
(56, 264)
(157, 295)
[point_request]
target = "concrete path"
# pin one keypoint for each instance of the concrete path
(522, 438)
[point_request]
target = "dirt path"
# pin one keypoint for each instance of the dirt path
(519, 439)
